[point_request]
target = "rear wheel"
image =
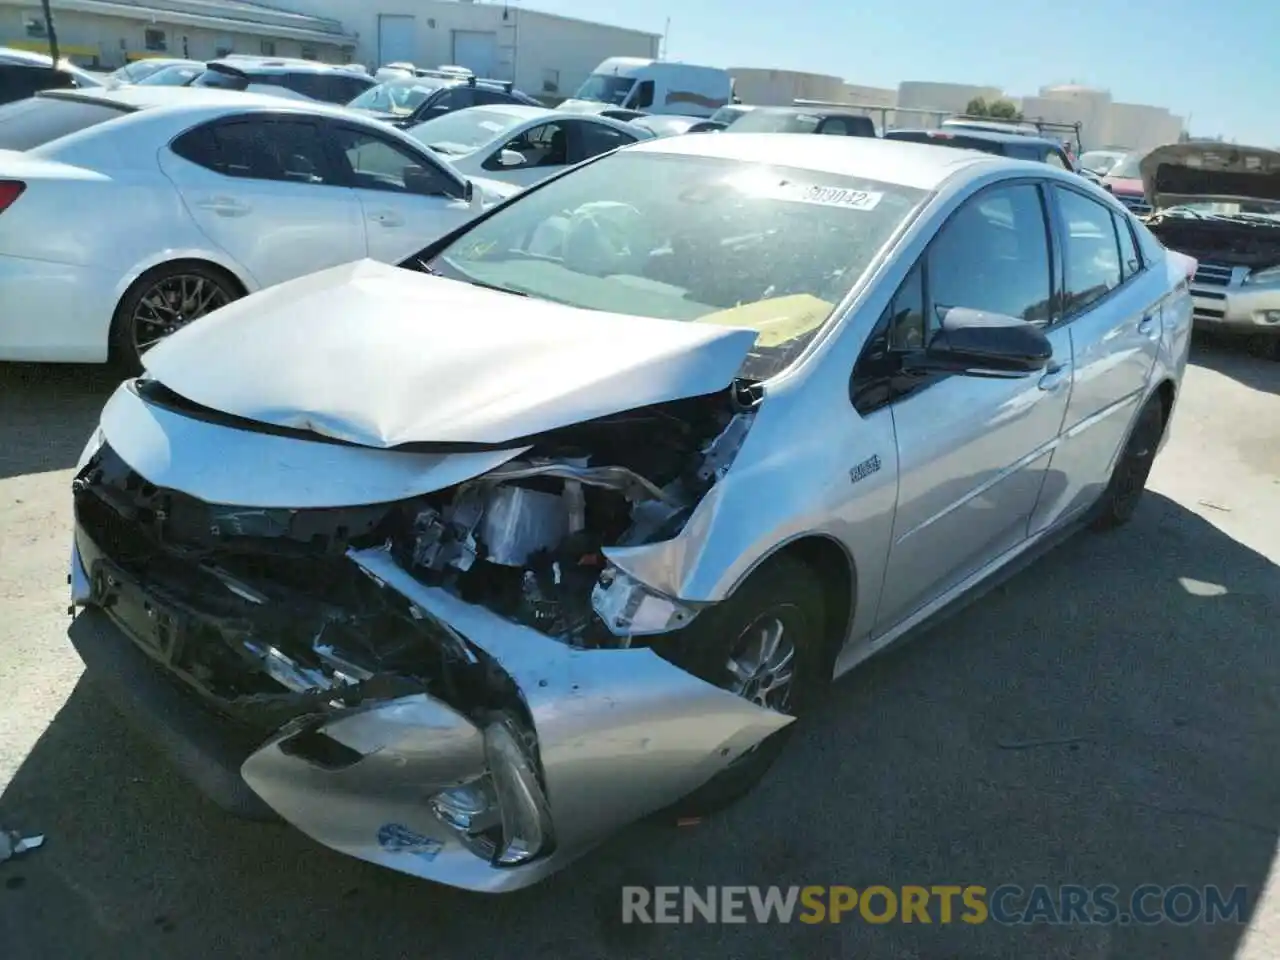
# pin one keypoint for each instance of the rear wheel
(1129, 476)
(162, 301)
(767, 644)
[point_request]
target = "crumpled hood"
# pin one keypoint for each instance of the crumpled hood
(1208, 172)
(382, 356)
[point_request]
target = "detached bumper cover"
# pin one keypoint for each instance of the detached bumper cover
(619, 733)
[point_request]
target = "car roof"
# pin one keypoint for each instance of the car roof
(175, 99)
(973, 133)
(916, 165)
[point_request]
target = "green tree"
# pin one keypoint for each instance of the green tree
(1003, 110)
(977, 107)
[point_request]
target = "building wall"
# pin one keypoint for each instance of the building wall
(952, 97)
(536, 50)
(780, 88)
(95, 40)
(1141, 127)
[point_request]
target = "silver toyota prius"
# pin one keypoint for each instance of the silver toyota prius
(460, 565)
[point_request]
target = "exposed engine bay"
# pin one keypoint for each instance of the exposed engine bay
(264, 613)
(1248, 240)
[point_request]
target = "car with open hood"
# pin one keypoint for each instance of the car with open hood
(463, 564)
(1124, 181)
(1220, 203)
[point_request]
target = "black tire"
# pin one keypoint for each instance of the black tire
(162, 300)
(785, 590)
(1124, 490)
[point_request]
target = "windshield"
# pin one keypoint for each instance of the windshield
(177, 75)
(400, 97)
(697, 239)
(775, 121)
(729, 114)
(1129, 167)
(463, 130)
(605, 88)
(1099, 161)
(27, 124)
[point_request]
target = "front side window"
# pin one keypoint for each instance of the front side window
(281, 150)
(546, 145)
(1090, 251)
(643, 97)
(993, 256)
(696, 239)
(377, 164)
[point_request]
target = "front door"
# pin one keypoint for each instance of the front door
(408, 198)
(542, 151)
(972, 451)
(1111, 312)
(263, 190)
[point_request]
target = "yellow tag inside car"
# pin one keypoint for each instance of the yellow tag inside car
(776, 320)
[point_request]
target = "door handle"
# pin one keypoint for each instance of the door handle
(1148, 325)
(224, 206)
(1055, 375)
(388, 218)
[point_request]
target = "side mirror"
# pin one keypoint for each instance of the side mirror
(510, 158)
(979, 344)
(469, 192)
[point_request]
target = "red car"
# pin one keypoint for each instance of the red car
(1125, 181)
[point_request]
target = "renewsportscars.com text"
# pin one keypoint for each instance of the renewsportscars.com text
(1008, 904)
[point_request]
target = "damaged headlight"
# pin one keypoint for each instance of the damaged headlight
(629, 608)
(503, 816)
(1268, 275)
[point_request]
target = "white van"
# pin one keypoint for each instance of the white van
(653, 86)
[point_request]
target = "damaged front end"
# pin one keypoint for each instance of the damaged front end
(456, 683)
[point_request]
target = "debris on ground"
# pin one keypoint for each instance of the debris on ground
(1213, 506)
(14, 844)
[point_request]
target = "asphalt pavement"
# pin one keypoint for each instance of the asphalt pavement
(1109, 716)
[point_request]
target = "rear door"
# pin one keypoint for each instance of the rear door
(545, 150)
(263, 189)
(407, 197)
(1111, 309)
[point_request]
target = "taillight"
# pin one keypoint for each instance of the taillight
(10, 190)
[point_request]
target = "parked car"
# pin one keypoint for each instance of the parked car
(518, 144)
(140, 70)
(406, 103)
(303, 79)
(731, 112)
(1124, 181)
(1100, 162)
(823, 120)
(23, 73)
(1220, 203)
(668, 126)
(195, 197)
(1015, 145)
(462, 565)
(175, 75)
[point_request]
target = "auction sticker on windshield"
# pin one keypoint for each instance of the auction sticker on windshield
(831, 196)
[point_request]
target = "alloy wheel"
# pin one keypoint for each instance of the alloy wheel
(173, 302)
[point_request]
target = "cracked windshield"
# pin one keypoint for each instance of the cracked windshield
(691, 238)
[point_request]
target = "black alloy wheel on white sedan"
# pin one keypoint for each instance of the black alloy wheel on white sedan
(163, 301)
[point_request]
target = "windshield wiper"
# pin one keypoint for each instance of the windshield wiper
(493, 286)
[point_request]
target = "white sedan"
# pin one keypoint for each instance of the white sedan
(519, 144)
(126, 214)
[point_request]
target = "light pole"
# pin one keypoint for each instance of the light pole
(53, 33)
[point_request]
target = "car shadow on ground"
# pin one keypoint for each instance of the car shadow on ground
(1108, 716)
(48, 412)
(1232, 358)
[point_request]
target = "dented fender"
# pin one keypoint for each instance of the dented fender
(620, 733)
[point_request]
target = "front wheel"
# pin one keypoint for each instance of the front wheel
(1118, 502)
(767, 644)
(162, 301)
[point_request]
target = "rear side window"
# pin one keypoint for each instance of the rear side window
(1130, 258)
(1090, 248)
(344, 89)
(27, 124)
(287, 150)
(847, 127)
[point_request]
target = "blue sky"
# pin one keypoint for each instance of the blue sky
(1217, 61)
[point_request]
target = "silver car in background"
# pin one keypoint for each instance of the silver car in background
(564, 521)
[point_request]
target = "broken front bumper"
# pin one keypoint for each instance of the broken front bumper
(617, 734)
